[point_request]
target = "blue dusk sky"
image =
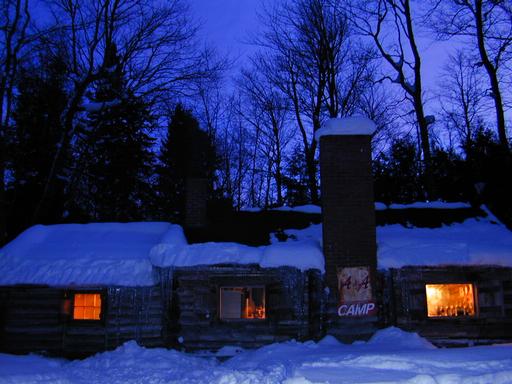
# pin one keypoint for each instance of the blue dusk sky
(226, 24)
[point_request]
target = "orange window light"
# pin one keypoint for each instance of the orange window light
(450, 300)
(242, 303)
(87, 306)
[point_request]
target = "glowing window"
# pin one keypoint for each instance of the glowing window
(242, 303)
(87, 306)
(450, 300)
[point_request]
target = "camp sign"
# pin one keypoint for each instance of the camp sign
(354, 286)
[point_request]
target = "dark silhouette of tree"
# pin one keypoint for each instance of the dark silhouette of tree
(14, 23)
(397, 174)
(488, 24)
(113, 166)
(295, 179)
(391, 26)
(311, 58)
(185, 152)
(157, 49)
(463, 98)
(33, 140)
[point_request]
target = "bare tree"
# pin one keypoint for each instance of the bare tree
(391, 26)
(267, 113)
(310, 57)
(488, 24)
(463, 98)
(14, 23)
(380, 104)
(155, 42)
(238, 149)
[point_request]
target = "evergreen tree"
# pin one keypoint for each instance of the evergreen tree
(295, 179)
(448, 181)
(113, 151)
(397, 173)
(34, 138)
(487, 173)
(186, 151)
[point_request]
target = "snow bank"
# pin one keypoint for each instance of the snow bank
(391, 356)
(356, 125)
(394, 337)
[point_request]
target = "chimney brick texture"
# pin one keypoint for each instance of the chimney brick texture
(348, 209)
(196, 196)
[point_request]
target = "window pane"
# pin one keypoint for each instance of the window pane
(231, 303)
(255, 304)
(87, 306)
(89, 300)
(79, 300)
(449, 300)
(78, 313)
(242, 303)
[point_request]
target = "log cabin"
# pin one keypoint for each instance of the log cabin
(443, 270)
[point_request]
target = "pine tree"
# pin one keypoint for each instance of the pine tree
(295, 179)
(114, 159)
(34, 137)
(186, 151)
(397, 173)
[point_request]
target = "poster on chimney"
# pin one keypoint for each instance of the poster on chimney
(354, 286)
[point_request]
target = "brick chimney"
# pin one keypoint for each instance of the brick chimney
(196, 196)
(196, 181)
(348, 215)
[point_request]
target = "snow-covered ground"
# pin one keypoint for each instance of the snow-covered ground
(391, 356)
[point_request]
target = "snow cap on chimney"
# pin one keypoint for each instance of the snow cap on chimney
(354, 125)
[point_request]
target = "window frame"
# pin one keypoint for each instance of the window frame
(70, 295)
(246, 286)
(450, 282)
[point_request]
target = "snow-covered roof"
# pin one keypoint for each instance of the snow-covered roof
(425, 205)
(316, 209)
(355, 125)
(85, 254)
(124, 254)
(476, 241)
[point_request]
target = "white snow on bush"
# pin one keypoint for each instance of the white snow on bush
(355, 125)
(391, 356)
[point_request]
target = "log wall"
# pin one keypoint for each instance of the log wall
(187, 317)
(407, 303)
(292, 307)
(34, 321)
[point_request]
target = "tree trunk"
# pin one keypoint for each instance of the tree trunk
(493, 76)
(311, 172)
(3, 197)
(68, 117)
